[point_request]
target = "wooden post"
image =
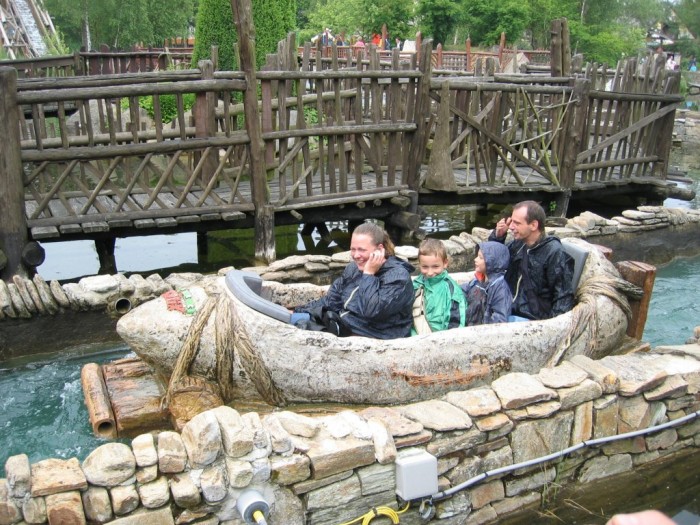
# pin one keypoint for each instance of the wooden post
(13, 222)
(105, 254)
(469, 54)
(438, 57)
(643, 275)
(575, 129)
(501, 45)
(419, 44)
(204, 113)
(264, 212)
(565, 48)
(385, 33)
(556, 49)
(416, 141)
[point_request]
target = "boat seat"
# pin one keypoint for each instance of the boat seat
(246, 287)
(579, 256)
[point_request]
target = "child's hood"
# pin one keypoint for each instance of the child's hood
(497, 257)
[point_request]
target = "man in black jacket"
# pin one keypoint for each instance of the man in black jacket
(540, 270)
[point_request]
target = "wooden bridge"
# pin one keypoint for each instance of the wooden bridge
(311, 139)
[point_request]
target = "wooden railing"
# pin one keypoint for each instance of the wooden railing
(103, 62)
(332, 132)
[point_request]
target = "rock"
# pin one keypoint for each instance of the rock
(290, 469)
(154, 494)
(124, 499)
(397, 424)
(476, 402)
(239, 473)
(298, 425)
(66, 507)
(19, 475)
(384, 446)
(185, 493)
(172, 455)
(236, 437)
(562, 376)
(518, 389)
(147, 474)
(279, 437)
(52, 476)
(9, 511)
(97, 505)
(202, 439)
(213, 484)
(144, 449)
(34, 510)
(437, 415)
(109, 465)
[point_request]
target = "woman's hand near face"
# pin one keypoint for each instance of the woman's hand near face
(376, 259)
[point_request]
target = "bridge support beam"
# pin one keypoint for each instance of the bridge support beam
(13, 223)
(105, 254)
(264, 211)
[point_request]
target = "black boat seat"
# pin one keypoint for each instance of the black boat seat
(246, 287)
(579, 255)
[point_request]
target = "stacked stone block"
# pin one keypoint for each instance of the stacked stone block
(330, 469)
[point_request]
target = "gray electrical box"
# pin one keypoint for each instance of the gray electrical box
(416, 475)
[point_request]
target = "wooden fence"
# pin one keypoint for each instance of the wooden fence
(293, 138)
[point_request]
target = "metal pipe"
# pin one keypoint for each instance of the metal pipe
(555, 455)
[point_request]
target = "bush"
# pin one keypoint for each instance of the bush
(168, 105)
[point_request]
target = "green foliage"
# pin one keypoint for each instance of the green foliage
(168, 105)
(122, 23)
(437, 18)
(215, 26)
(688, 12)
(55, 45)
(487, 19)
(360, 17)
(606, 43)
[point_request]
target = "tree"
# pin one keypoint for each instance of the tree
(437, 18)
(122, 24)
(485, 20)
(688, 12)
(272, 20)
(362, 17)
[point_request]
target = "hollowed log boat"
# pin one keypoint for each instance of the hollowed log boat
(240, 337)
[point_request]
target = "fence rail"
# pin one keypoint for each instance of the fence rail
(111, 153)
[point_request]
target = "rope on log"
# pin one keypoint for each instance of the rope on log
(189, 348)
(584, 316)
(229, 340)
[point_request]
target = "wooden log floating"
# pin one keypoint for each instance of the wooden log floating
(97, 402)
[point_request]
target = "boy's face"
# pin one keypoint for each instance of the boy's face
(431, 265)
(480, 263)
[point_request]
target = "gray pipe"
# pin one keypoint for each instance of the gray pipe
(555, 455)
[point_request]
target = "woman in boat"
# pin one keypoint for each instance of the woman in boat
(374, 295)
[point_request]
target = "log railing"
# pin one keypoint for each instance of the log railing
(330, 132)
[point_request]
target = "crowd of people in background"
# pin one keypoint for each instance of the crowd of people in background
(327, 38)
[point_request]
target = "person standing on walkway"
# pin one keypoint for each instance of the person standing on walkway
(540, 271)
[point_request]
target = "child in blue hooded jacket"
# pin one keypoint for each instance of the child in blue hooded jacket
(489, 297)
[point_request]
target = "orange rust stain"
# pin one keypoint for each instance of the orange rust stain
(480, 368)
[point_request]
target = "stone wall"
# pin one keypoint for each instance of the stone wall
(331, 469)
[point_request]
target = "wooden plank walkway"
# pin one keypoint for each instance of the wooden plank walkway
(62, 219)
